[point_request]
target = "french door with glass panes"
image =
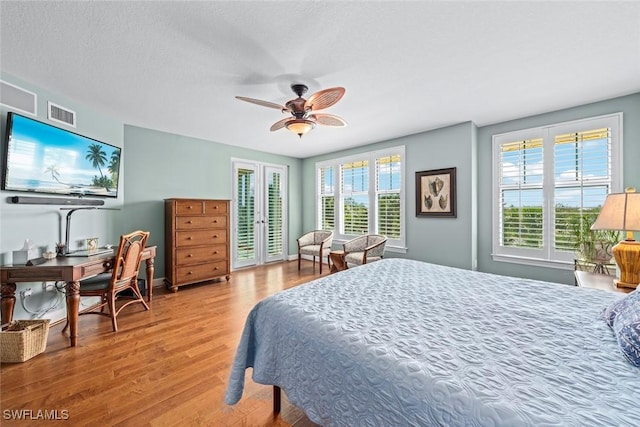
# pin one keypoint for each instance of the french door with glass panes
(259, 213)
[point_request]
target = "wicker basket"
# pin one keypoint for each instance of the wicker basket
(23, 339)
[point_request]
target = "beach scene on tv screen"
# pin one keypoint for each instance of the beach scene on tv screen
(47, 159)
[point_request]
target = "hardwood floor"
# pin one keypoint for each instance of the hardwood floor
(164, 367)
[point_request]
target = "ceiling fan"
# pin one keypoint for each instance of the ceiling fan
(303, 111)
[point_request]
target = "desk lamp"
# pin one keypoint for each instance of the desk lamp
(65, 249)
(621, 211)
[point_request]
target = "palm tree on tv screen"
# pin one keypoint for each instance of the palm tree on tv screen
(55, 173)
(114, 167)
(98, 158)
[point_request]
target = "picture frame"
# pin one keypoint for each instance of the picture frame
(436, 193)
(92, 243)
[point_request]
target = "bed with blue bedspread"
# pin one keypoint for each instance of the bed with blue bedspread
(406, 343)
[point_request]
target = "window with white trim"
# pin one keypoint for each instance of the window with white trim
(326, 199)
(354, 198)
(546, 180)
(363, 194)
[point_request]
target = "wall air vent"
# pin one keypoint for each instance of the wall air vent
(61, 115)
(18, 99)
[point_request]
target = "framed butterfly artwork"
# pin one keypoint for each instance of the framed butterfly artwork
(436, 193)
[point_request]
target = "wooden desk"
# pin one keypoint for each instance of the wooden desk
(587, 279)
(64, 269)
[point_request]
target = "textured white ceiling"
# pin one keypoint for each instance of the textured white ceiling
(407, 66)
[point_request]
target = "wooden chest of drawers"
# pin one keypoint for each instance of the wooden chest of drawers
(197, 241)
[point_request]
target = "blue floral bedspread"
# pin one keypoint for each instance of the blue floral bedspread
(406, 343)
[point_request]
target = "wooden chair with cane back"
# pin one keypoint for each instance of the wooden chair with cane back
(124, 276)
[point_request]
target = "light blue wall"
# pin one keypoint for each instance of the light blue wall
(447, 241)
(628, 105)
(158, 165)
(460, 242)
(474, 196)
(161, 165)
(45, 224)
(155, 165)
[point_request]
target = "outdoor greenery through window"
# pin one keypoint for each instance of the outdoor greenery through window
(521, 193)
(363, 194)
(388, 195)
(327, 199)
(246, 208)
(275, 214)
(551, 183)
(582, 181)
(354, 188)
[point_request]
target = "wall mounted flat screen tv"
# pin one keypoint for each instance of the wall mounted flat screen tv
(42, 158)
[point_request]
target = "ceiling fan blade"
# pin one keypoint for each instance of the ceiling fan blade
(263, 103)
(324, 98)
(328, 120)
(279, 124)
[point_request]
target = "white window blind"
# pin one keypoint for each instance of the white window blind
(521, 205)
(246, 206)
(546, 180)
(388, 185)
(354, 188)
(363, 194)
(275, 214)
(582, 180)
(326, 198)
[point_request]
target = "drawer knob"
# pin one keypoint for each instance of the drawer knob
(189, 207)
(215, 236)
(190, 256)
(215, 221)
(215, 268)
(191, 272)
(189, 222)
(189, 238)
(215, 252)
(215, 207)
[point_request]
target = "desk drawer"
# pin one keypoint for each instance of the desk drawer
(97, 268)
(194, 222)
(198, 273)
(196, 255)
(201, 237)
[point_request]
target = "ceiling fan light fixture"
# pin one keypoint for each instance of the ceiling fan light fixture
(304, 112)
(300, 126)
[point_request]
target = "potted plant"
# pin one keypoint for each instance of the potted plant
(593, 245)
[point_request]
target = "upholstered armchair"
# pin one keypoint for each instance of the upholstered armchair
(316, 243)
(364, 249)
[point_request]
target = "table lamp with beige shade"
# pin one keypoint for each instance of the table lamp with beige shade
(621, 211)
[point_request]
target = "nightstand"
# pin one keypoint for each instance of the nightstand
(587, 279)
(337, 261)
(594, 267)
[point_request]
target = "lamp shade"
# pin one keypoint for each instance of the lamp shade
(620, 211)
(300, 126)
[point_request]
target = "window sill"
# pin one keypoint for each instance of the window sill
(396, 249)
(534, 262)
(387, 248)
